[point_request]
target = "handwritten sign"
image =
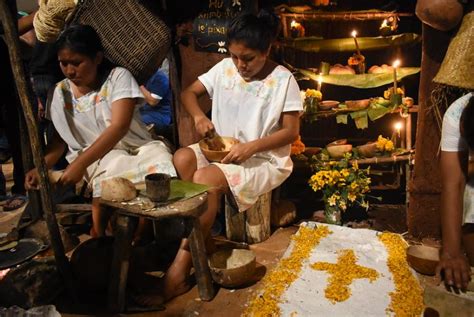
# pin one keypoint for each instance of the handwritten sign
(210, 27)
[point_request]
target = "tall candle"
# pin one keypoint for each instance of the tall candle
(395, 66)
(354, 35)
(320, 81)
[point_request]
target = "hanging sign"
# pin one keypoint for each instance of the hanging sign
(210, 27)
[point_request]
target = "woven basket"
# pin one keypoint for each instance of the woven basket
(132, 36)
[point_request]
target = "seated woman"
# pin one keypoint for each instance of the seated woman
(254, 100)
(95, 116)
(457, 196)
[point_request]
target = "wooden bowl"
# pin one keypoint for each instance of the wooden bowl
(232, 267)
(338, 151)
(217, 156)
(328, 104)
(367, 150)
(423, 259)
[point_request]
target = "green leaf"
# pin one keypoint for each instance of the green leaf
(342, 118)
(182, 189)
(361, 80)
(376, 111)
(360, 118)
(317, 44)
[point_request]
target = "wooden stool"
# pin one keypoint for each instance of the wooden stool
(127, 218)
(251, 226)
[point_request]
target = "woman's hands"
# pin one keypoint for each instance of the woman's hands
(456, 269)
(203, 125)
(32, 180)
(239, 153)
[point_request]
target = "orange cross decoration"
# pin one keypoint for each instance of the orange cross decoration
(342, 274)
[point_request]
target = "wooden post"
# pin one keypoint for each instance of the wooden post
(251, 226)
(11, 38)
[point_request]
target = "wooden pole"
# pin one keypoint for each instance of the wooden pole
(11, 38)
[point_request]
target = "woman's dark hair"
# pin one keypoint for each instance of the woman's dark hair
(467, 123)
(255, 31)
(82, 39)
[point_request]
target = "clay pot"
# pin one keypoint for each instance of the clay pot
(367, 150)
(217, 156)
(328, 104)
(357, 104)
(338, 151)
(423, 259)
(232, 267)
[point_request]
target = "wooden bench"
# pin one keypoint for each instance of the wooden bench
(127, 218)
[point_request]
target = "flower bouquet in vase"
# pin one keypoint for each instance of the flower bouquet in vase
(343, 185)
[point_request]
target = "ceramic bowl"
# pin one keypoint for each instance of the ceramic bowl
(367, 150)
(423, 259)
(217, 156)
(232, 267)
(338, 151)
(357, 104)
(328, 104)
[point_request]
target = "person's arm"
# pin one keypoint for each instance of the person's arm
(453, 261)
(122, 112)
(54, 151)
(189, 98)
(25, 23)
(290, 128)
(150, 98)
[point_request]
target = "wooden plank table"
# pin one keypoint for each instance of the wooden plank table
(127, 218)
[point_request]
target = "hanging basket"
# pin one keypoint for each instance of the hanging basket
(133, 37)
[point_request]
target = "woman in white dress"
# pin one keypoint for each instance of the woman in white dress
(457, 196)
(255, 101)
(96, 120)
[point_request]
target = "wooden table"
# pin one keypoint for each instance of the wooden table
(127, 218)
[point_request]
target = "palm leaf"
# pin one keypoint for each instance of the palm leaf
(362, 80)
(317, 44)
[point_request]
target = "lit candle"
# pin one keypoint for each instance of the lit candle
(396, 133)
(296, 28)
(293, 24)
(395, 66)
(384, 24)
(320, 81)
(398, 127)
(354, 35)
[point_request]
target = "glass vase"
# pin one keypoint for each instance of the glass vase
(332, 214)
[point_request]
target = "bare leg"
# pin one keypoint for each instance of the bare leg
(99, 219)
(185, 162)
(468, 241)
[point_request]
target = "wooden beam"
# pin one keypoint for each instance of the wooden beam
(11, 38)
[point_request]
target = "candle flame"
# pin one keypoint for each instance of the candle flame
(396, 63)
(320, 78)
(398, 126)
(294, 24)
(354, 33)
(384, 23)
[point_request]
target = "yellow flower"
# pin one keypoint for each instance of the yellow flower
(388, 93)
(352, 197)
(381, 141)
(354, 185)
(345, 172)
(332, 200)
(314, 93)
(389, 146)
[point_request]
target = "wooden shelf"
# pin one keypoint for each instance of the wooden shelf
(331, 113)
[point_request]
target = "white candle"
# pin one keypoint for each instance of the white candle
(320, 81)
(395, 65)
(354, 35)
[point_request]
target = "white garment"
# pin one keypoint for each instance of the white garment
(452, 141)
(81, 121)
(249, 111)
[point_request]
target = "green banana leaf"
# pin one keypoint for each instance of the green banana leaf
(183, 190)
(317, 44)
(362, 80)
(360, 119)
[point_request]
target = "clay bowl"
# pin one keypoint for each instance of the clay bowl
(367, 150)
(357, 104)
(312, 150)
(338, 151)
(232, 267)
(423, 259)
(328, 104)
(217, 156)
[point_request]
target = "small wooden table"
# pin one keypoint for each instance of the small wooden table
(127, 218)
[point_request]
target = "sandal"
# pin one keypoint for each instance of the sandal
(15, 202)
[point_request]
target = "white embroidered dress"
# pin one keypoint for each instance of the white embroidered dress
(249, 111)
(452, 141)
(81, 121)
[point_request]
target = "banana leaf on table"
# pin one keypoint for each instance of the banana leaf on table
(362, 80)
(317, 44)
